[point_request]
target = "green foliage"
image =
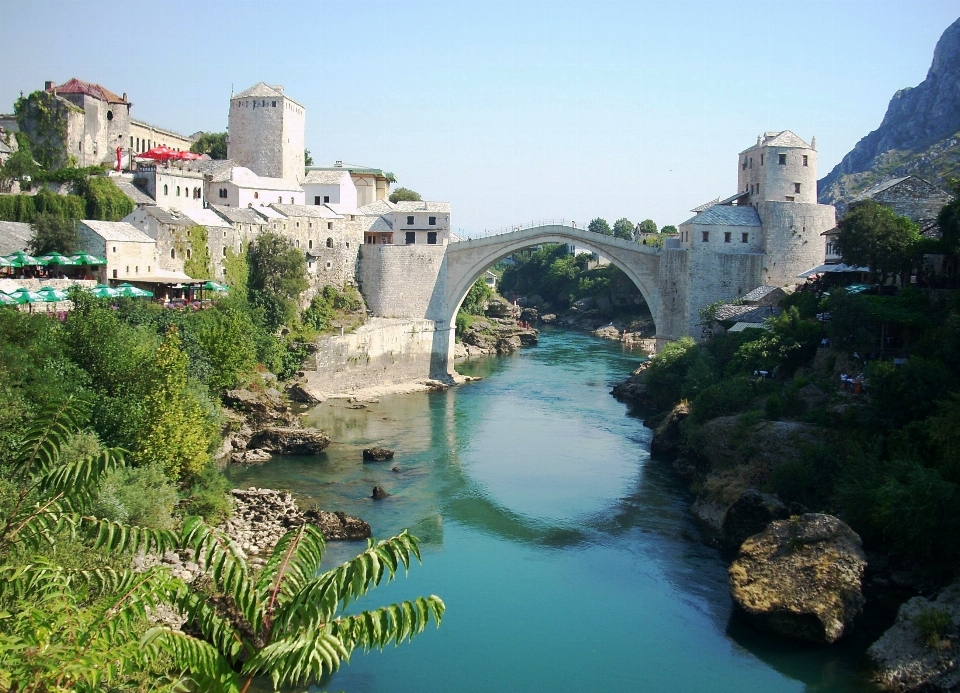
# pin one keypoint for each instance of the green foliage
(791, 343)
(327, 306)
(52, 233)
(648, 226)
(213, 144)
(933, 625)
(42, 118)
(19, 165)
(105, 201)
(949, 222)
(277, 278)
(623, 228)
(224, 336)
(601, 226)
(723, 399)
(198, 265)
(236, 274)
(142, 496)
(477, 298)
(908, 392)
(877, 237)
(208, 496)
(307, 159)
(669, 229)
(25, 208)
(667, 370)
(404, 195)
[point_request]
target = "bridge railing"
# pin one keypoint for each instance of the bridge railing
(520, 227)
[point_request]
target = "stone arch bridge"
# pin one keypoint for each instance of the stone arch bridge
(465, 261)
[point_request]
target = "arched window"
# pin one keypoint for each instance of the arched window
(329, 242)
(298, 242)
(178, 191)
(224, 251)
(173, 253)
(280, 199)
(291, 200)
(166, 190)
(189, 253)
(310, 244)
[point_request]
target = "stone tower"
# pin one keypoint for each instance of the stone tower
(266, 132)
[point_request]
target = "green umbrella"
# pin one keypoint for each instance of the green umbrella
(4, 262)
(130, 291)
(215, 286)
(88, 259)
(24, 296)
(104, 291)
(56, 259)
(23, 260)
(53, 295)
(6, 300)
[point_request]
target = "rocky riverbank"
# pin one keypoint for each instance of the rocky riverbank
(501, 330)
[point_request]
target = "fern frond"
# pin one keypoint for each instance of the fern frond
(295, 559)
(394, 623)
(115, 537)
(79, 481)
(321, 598)
(216, 629)
(207, 668)
(299, 658)
(40, 448)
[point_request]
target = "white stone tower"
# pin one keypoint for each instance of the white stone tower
(266, 132)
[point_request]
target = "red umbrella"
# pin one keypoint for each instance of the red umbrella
(187, 156)
(161, 153)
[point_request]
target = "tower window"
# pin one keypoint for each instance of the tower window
(409, 221)
(744, 237)
(173, 253)
(274, 104)
(806, 160)
(790, 198)
(796, 187)
(706, 236)
(726, 236)
(310, 244)
(224, 251)
(189, 253)
(329, 242)
(751, 162)
(782, 159)
(761, 159)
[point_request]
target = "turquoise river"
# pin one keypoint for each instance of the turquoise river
(566, 557)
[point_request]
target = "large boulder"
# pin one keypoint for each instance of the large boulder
(377, 454)
(667, 436)
(338, 526)
(286, 440)
(508, 345)
(262, 408)
(499, 308)
(750, 515)
(914, 654)
(607, 332)
(800, 578)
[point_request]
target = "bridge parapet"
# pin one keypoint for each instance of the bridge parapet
(547, 232)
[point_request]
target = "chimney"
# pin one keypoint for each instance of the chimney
(339, 164)
(124, 96)
(48, 86)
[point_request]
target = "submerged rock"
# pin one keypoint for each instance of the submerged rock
(251, 456)
(379, 493)
(286, 440)
(800, 578)
(377, 454)
(913, 655)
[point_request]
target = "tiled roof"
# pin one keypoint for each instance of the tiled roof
(261, 89)
(729, 312)
(14, 236)
(206, 217)
(377, 208)
(76, 86)
(238, 215)
(117, 231)
(134, 193)
(358, 170)
(316, 211)
(424, 206)
(269, 212)
(243, 177)
(379, 224)
(783, 138)
(705, 205)
(213, 167)
(758, 293)
(725, 215)
(168, 216)
(325, 177)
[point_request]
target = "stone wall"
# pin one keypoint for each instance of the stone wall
(401, 281)
(673, 294)
(381, 352)
(793, 242)
(267, 136)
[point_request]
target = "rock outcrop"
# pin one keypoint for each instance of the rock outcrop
(800, 578)
(379, 493)
(290, 440)
(911, 657)
(377, 454)
(260, 424)
(751, 514)
(497, 336)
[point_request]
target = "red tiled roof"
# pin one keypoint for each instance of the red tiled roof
(76, 86)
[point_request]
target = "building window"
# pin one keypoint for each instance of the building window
(329, 242)
(796, 187)
(128, 270)
(274, 104)
(329, 265)
(806, 160)
(409, 221)
(173, 253)
(411, 237)
(744, 164)
(189, 253)
(310, 244)
(431, 237)
(298, 224)
(114, 274)
(726, 236)
(744, 237)
(761, 159)
(326, 199)
(291, 200)
(329, 225)
(782, 159)
(298, 242)
(131, 141)
(114, 248)
(166, 191)
(136, 270)
(280, 199)
(256, 196)
(433, 221)
(706, 236)
(224, 251)
(790, 198)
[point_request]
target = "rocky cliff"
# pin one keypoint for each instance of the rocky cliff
(919, 135)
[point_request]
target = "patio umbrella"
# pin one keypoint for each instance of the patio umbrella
(25, 296)
(187, 156)
(130, 291)
(57, 259)
(53, 295)
(4, 262)
(88, 259)
(161, 153)
(211, 285)
(23, 260)
(6, 300)
(104, 291)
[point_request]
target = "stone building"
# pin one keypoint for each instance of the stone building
(371, 184)
(174, 185)
(238, 186)
(246, 222)
(330, 241)
(766, 234)
(144, 137)
(221, 237)
(131, 255)
(169, 229)
(267, 132)
(331, 187)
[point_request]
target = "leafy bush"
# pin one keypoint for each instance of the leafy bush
(723, 399)
(475, 302)
(665, 375)
(142, 496)
(908, 392)
(207, 496)
(933, 625)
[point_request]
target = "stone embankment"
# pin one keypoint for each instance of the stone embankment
(261, 424)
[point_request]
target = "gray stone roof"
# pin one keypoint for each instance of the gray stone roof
(726, 215)
(168, 216)
(759, 293)
(729, 312)
(423, 206)
(134, 193)
(243, 177)
(266, 91)
(324, 177)
(783, 138)
(117, 231)
(212, 167)
(238, 215)
(705, 205)
(377, 208)
(14, 236)
(380, 224)
(206, 217)
(316, 211)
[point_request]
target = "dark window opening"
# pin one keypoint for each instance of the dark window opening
(329, 242)
(782, 159)
(431, 237)
(726, 236)
(409, 221)
(411, 237)
(796, 187)
(109, 115)
(706, 236)
(316, 200)
(326, 199)
(744, 237)
(433, 221)
(806, 160)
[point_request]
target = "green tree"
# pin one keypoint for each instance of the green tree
(53, 234)
(599, 225)
(213, 144)
(648, 226)
(877, 237)
(105, 201)
(949, 222)
(404, 195)
(477, 297)
(669, 228)
(278, 275)
(224, 334)
(623, 228)
(19, 166)
(307, 159)
(198, 264)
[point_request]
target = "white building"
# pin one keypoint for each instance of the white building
(424, 223)
(330, 187)
(371, 184)
(238, 186)
(173, 186)
(130, 253)
(267, 133)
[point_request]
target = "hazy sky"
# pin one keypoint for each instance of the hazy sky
(512, 111)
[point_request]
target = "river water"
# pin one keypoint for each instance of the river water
(566, 558)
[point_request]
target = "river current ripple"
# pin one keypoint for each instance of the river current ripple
(566, 557)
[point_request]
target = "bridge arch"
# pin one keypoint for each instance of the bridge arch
(467, 260)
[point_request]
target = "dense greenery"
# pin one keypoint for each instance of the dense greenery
(600, 226)
(213, 144)
(277, 277)
(53, 234)
(97, 198)
(404, 195)
(623, 228)
(648, 226)
(875, 236)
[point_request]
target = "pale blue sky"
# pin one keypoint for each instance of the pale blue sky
(512, 111)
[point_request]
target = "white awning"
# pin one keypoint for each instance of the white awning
(828, 268)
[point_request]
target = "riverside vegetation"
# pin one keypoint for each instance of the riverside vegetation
(108, 424)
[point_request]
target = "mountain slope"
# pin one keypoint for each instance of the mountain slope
(920, 133)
